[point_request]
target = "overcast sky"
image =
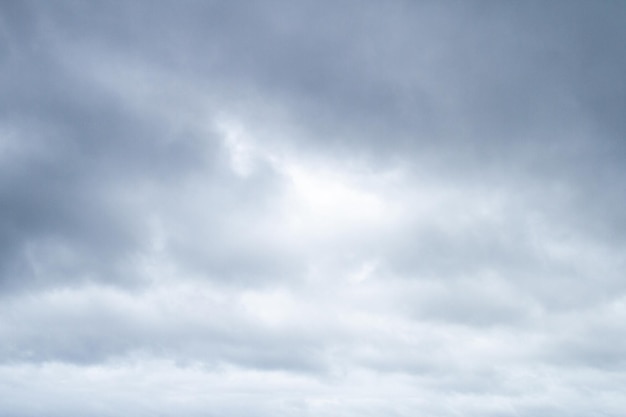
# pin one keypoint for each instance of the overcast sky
(312, 208)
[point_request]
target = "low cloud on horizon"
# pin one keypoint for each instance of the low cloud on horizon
(310, 208)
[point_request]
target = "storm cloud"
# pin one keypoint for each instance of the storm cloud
(312, 208)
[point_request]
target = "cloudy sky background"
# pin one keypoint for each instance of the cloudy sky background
(305, 208)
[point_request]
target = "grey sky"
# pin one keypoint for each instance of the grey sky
(351, 208)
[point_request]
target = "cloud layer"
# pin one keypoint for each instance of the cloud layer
(312, 209)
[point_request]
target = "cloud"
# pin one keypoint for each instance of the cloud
(245, 208)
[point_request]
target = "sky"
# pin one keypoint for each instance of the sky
(312, 208)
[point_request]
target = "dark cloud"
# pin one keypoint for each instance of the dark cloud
(73, 152)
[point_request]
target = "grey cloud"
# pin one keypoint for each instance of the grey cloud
(71, 146)
(86, 328)
(425, 216)
(587, 339)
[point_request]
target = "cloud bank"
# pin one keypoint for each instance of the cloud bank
(312, 209)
